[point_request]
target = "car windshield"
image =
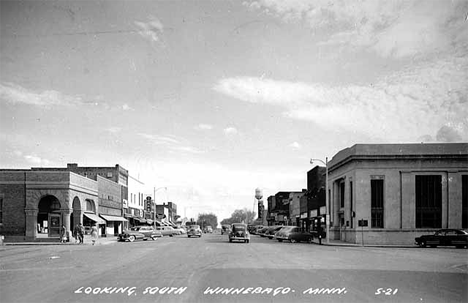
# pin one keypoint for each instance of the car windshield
(195, 227)
(135, 228)
(238, 227)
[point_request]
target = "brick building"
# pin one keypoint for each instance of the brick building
(35, 203)
(397, 191)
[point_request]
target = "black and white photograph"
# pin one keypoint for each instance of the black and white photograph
(233, 151)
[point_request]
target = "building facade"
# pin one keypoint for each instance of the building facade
(38, 203)
(134, 208)
(392, 193)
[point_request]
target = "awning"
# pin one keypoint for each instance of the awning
(95, 218)
(114, 218)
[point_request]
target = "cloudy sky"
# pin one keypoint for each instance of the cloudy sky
(213, 99)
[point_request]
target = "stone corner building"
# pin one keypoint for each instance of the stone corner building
(35, 203)
(397, 191)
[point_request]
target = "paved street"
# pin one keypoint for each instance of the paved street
(211, 269)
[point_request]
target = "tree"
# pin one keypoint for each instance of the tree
(207, 219)
(240, 216)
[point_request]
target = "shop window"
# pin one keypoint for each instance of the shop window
(377, 203)
(429, 201)
(464, 201)
(351, 202)
(1, 210)
(342, 194)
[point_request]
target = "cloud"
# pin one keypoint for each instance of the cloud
(230, 131)
(114, 130)
(15, 94)
(171, 143)
(151, 30)
(202, 126)
(402, 106)
(448, 134)
(295, 146)
(32, 159)
(390, 28)
(126, 107)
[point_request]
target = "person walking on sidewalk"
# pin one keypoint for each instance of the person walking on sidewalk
(94, 234)
(63, 234)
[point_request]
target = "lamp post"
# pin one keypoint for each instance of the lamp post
(327, 206)
(154, 201)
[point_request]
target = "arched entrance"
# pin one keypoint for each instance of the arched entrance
(49, 217)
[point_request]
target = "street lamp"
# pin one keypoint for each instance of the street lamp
(327, 219)
(154, 201)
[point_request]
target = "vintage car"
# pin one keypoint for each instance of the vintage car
(239, 232)
(293, 234)
(208, 230)
(272, 230)
(444, 237)
(139, 233)
(262, 231)
(168, 231)
(194, 231)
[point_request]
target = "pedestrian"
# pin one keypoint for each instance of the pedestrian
(94, 233)
(63, 234)
(76, 230)
(81, 232)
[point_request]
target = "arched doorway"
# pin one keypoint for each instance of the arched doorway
(49, 217)
(76, 212)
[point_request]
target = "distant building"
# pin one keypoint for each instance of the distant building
(397, 191)
(135, 205)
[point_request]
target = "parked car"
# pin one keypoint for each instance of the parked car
(139, 233)
(167, 231)
(293, 234)
(194, 231)
(208, 230)
(239, 232)
(270, 233)
(444, 237)
(181, 230)
(262, 232)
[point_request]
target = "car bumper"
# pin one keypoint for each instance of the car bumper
(282, 237)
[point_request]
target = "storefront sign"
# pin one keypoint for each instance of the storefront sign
(304, 216)
(323, 210)
(313, 213)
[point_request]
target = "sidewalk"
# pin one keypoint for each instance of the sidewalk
(347, 244)
(87, 241)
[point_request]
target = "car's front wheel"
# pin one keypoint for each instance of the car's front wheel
(309, 240)
(280, 240)
(422, 244)
(131, 238)
(292, 240)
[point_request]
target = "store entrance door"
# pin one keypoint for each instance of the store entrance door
(55, 222)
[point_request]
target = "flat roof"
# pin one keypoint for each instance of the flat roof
(400, 150)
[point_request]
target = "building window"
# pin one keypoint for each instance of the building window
(464, 201)
(351, 202)
(342, 193)
(1, 210)
(428, 201)
(377, 203)
(90, 206)
(109, 175)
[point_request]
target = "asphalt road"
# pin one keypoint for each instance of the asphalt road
(210, 269)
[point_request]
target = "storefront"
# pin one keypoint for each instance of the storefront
(114, 225)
